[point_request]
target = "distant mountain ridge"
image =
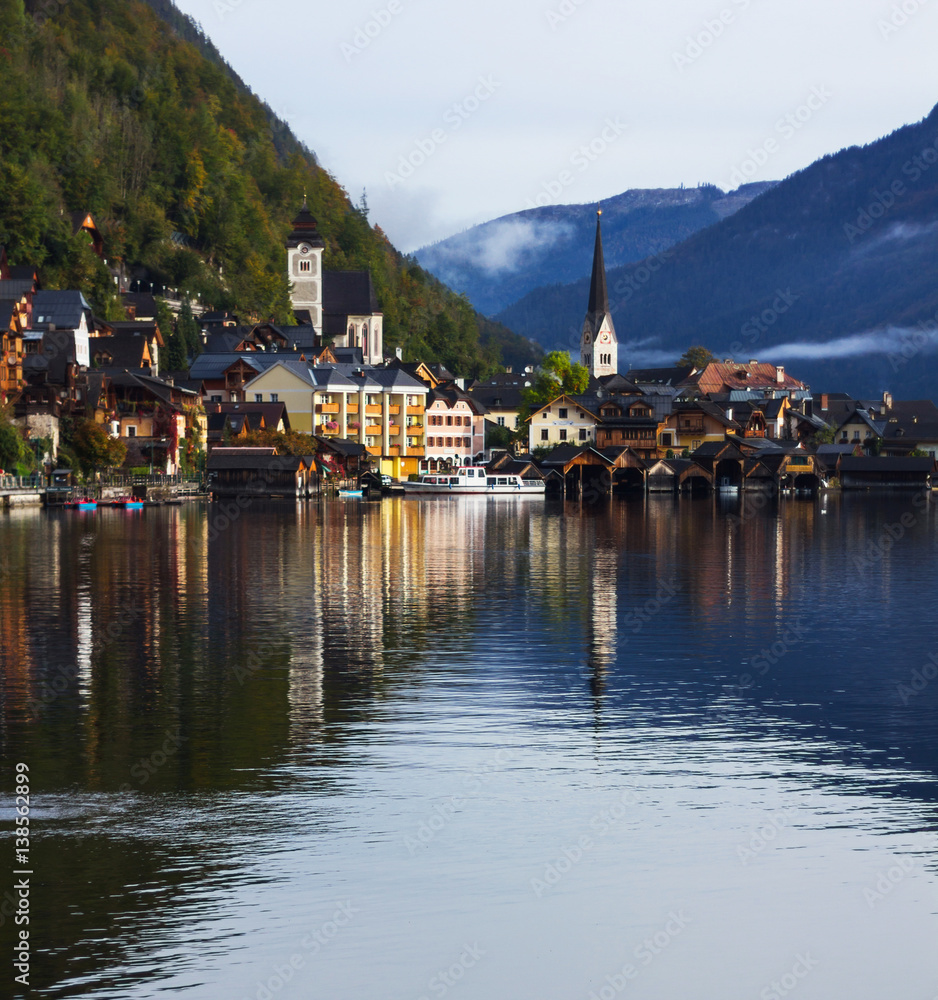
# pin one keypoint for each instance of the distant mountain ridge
(833, 272)
(496, 263)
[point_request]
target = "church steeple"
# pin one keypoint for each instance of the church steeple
(304, 268)
(599, 348)
(599, 295)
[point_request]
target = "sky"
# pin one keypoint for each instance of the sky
(452, 114)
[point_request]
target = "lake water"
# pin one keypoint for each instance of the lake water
(657, 748)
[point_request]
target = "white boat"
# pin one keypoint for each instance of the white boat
(472, 480)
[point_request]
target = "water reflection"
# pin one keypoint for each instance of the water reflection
(216, 716)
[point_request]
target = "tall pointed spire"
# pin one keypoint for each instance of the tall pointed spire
(599, 348)
(599, 295)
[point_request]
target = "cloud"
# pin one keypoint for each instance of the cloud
(890, 340)
(497, 248)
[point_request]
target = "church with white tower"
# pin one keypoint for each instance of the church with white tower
(340, 305)
(599, 347)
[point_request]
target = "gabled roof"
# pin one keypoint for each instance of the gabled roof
(589, 404)
(562, 454)
(659, 376)
(9, 310)
(348, 293)
(123, 352)
(143, 304)
(62, 309)
(724, 376)
(452, 395)
(341, 446)
(213, 366)
(272, 413)
(15, 288)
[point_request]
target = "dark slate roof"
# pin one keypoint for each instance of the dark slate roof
(452, 395)
(23, 272)
(8, 309)
(342, 446)
(222, 459)
(300, 338)
(63, 309)
(499, 397)
(562, 454)
(212, 366)
(15, 288)
(658, 376)
(348, 293)
(618, 384)
(851, 463)
(272, 413)
(144, 303)
(348, 355)
(394, 378)
(124, 351)
(221, 341)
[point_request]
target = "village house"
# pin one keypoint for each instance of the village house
(455, 425)
(690, 425)
(564, 420)
(165, 423)
(628, 422)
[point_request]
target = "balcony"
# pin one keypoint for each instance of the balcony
(394, 410)
(416, 411)
(373, 430)
(327, 407)
(373, 409)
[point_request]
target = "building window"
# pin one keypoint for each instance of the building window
(449, 442)
(305, 266)
(856, 435)
(501, 421)
(216, 399)
(545, 434)
(563, 434)
(582, 433)
(467, 442)
(131, 431)
(258, 397)
(449, 421)
(275, 397)
(562, 413)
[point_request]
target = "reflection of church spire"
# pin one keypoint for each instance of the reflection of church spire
(602, 630)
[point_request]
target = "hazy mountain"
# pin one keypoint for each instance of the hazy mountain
(833, 273)
(498, 262)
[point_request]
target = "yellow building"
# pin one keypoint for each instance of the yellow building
(381, 408)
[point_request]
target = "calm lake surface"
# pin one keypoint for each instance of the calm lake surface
(476, 749)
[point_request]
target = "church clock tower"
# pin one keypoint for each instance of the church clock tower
(599, 347)
(304, 268)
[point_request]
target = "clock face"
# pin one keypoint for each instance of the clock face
(586, 339)
(604, 337)
(304, 248)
